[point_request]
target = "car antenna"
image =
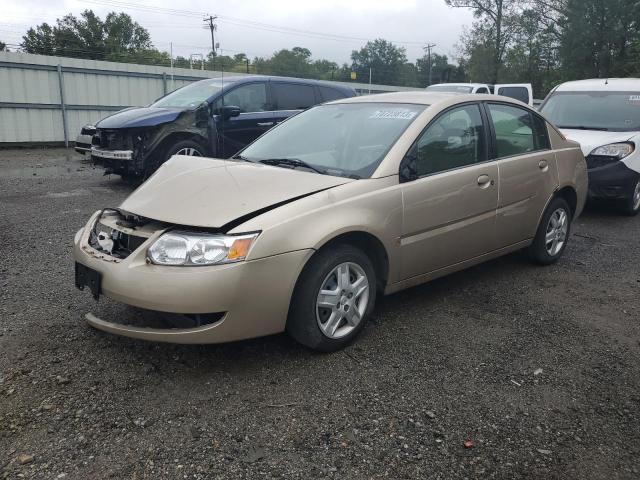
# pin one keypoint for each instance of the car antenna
(606, 81)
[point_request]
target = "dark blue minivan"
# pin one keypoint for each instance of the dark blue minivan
(214, 117)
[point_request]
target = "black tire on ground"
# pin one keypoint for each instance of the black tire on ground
(302, 323)
(537, 251)
(153, 164)
(629, 208)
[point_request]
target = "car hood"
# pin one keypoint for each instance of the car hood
(592, 139)
(139, 117)
(205, 192)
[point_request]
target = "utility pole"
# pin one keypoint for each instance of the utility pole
(210, 21)
(428, 48)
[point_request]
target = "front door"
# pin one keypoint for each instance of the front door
(255, 118)
(450, 208)
(528, 170)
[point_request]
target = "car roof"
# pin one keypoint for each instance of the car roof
(238, 79)
(601, 84)
(424, 97)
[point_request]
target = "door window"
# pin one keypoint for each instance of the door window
(329, 94)
(293, 96)
(514, 130)
(482, 90)
(251, 97)
(519, 93)
(456, 139)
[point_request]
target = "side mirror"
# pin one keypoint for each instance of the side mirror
(228, 111)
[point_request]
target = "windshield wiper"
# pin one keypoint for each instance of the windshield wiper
(292, 162)
(240, 157)
(582, 127)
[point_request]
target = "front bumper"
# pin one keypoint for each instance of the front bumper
(613, 180)
(254, 295)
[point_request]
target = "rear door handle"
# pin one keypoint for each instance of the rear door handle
(543, 165)
(485, 181)
(265, 124)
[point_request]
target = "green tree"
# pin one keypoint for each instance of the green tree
(496, 23)
(385, 61)
(117, 38)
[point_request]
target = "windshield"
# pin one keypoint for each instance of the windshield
(190, 96)
(349, 139)
(450, 88)
(616, 111)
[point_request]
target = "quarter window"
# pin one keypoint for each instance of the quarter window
(293, 96)
(482, 90)
(514, 130)
(456, 139)
(541, 133)
(251, 97)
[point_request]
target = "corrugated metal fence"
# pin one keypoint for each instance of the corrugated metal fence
(49, 99)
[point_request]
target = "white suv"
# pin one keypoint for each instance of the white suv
(519, 91)
(603, 115)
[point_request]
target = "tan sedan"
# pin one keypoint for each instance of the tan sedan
(350, 200)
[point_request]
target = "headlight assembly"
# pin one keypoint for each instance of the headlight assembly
(616, 150)
(194, 249)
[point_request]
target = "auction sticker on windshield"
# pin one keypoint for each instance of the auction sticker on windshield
(395, 114)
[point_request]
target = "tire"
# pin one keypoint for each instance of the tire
(544, 250)
(632, 202)
(308, 323)
(194, 148)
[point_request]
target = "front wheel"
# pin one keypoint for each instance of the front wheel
(333, 298)
(632, 204)
(186, 147)
(553, 233)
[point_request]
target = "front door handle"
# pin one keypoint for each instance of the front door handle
(484, 181)
(543, 165)
(265, 124)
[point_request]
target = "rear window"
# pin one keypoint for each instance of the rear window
(329, 94)
(293, 96)
(519, 93)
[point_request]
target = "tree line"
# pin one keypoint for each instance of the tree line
(543, 42)
(546, 42)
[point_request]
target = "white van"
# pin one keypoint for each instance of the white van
(519, 91)
(603, 115)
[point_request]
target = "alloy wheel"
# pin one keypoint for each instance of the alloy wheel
(192, 152)
(342, 300)
(635, 199)
(557, 229)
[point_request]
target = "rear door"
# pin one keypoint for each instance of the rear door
(290, 98)
(528, 170)
(518, 91)
(255, 117)
(450, 207)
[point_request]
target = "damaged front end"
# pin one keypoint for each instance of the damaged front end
(124, 152)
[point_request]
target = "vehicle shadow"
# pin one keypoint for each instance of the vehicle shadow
(252, 355)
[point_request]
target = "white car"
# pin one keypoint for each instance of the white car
(519, 91)
(603, 115)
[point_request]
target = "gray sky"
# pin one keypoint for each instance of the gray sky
(247, 25)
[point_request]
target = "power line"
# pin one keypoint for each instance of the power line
(240, 22)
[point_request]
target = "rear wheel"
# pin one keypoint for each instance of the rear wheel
(553, 233)
(632, 203)
(333, 299)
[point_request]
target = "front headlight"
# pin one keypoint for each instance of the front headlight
(617, 150)
(194, 249)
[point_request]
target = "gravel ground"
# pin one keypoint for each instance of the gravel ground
(539, 367)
